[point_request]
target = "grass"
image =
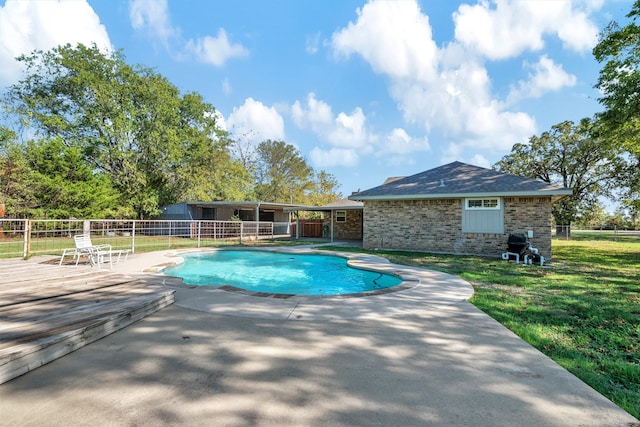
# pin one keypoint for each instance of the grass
(583, 312)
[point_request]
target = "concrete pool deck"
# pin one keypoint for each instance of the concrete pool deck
(421, 288)
(224, 358)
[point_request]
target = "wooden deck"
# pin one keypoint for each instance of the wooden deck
(47, 311)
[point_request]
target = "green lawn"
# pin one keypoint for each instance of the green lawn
(583, 311)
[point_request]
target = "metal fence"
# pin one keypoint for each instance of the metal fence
(568, 232)
(23, 237)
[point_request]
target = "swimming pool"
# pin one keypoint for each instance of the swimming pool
(279, 273)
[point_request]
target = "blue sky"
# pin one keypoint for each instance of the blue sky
(364, 89)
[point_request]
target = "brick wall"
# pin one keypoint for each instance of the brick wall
(530, 213)
(351, 229)
(436, 226)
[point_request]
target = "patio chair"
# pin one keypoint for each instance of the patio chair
(96, 253)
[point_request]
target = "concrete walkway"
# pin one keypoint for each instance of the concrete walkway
(410, 358)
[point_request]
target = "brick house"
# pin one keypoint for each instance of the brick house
(458, 208)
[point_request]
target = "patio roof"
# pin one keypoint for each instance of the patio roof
(343, 204)
(250, 205)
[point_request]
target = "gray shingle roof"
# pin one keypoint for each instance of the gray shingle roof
(460, 180)
(344, 203)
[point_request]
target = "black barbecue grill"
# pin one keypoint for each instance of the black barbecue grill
(518, 244)
(520, 249)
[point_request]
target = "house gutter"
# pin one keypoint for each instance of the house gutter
(560, 194)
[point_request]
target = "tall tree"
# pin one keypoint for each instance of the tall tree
(570, 156)
(128, 121)
(324, 191)
(46, 179)
(619, 82)
(16, 185)
(65, 186)
(282, 174)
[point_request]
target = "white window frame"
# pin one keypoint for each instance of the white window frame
(482, 206)
(341, 216)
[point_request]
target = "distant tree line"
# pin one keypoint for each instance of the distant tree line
(88, 135)
(600, 156)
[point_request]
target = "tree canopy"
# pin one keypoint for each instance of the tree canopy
(568, 155)
(127, 121)
(96, 123)
(619, 82)
(282, 174)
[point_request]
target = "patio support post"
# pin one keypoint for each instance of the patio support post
(331, 227)
(257, 221)
(133, 237)
(27, 238)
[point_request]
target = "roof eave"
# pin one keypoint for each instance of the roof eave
(325, 208)
(560, 194)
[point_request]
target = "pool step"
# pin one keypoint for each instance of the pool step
(43, 320)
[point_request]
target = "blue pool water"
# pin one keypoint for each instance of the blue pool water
(279, 273)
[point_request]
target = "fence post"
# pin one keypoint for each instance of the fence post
(133, 237)
(241, 230)
(27, 238)
(199, 227)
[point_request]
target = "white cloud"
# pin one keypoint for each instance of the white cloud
(334, 157)
(448, 90)
(547, 76)
(394, 37)
(349, 130)
(311, 44)
(502, 29)
(216, 50)
(398, 141)
(347, 138)
(316, 115)
(343, 130)
(345, 134)
(480, 160)
(27, 25)
(226, 86)
(153, 18)
(256, 121)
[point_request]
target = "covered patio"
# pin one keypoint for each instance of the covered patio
(342, 220)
